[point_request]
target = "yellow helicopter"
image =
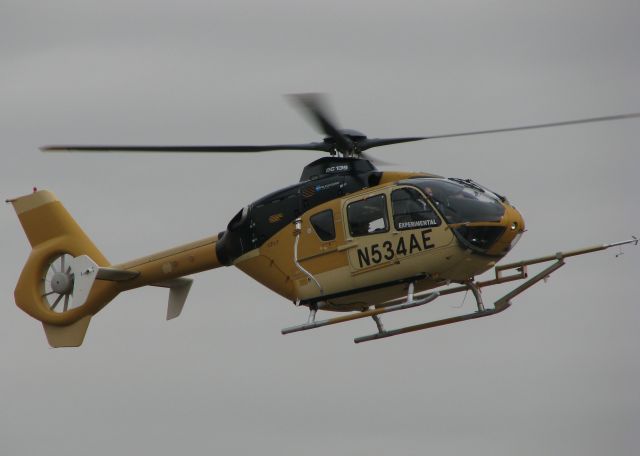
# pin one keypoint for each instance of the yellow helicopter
(346, 238)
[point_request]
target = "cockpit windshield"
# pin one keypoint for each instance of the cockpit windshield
(461, 202)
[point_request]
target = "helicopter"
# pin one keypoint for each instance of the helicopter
(346, 238)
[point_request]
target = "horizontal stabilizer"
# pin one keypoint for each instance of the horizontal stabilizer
(116, 275)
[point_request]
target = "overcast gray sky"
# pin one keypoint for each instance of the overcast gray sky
(558, 373)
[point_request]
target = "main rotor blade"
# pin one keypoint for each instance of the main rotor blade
(319, 146)
(377, 142)
(531, 127)
(314, 104)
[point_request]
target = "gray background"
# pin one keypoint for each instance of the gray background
(556, 374)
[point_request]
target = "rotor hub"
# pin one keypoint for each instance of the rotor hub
(62, 283)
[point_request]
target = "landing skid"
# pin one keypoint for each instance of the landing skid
(409, 303)
(501, 304)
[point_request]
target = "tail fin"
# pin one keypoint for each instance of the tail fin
(67, 280)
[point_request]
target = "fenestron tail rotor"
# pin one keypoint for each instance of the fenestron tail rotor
(344, 142)
(57, 284)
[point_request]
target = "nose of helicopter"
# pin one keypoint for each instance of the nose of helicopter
(513, 224)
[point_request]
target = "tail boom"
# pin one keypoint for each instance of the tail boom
(173, 263)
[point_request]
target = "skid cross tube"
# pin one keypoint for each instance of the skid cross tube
(365, 314)
(500, 305)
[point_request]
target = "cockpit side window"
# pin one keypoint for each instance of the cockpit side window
(322, 222)
(411, 210)
(368, 216)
